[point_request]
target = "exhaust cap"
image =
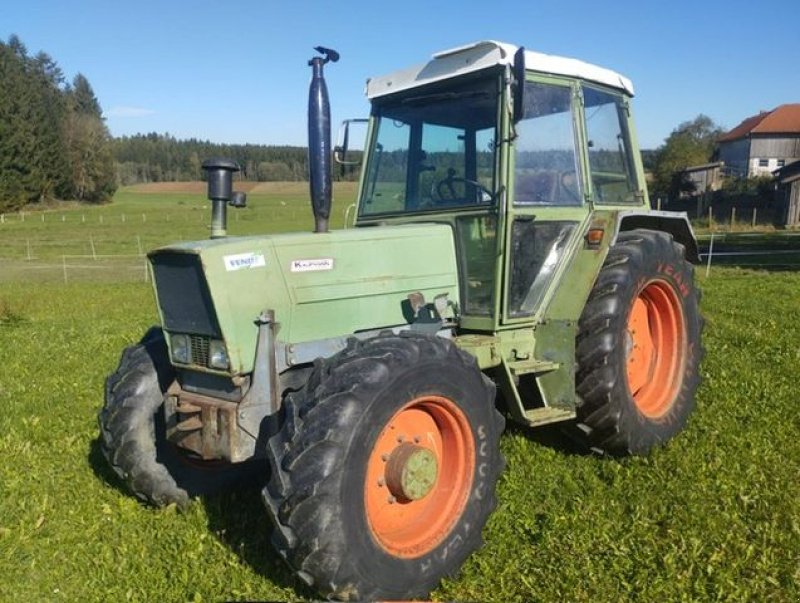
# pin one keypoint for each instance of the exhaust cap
(220, 172)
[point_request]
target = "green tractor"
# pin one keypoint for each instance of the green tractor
(503, 255)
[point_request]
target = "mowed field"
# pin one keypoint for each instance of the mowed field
(713, 516)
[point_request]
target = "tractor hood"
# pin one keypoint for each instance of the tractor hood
(319, 286)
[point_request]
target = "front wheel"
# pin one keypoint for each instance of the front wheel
(133, 436)
(638, 347)
(385, 468)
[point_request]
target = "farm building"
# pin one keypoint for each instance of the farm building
(762, 143)
(705, 178)
(788, 179)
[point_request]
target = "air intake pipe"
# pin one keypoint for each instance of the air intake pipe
(220, 190)
(319, 140)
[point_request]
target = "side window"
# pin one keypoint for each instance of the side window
(386, 191)
(610, 161)
(545, 161)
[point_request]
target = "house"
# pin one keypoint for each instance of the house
(788, 178)
(762, 143)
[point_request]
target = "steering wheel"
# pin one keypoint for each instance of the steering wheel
(445, 190)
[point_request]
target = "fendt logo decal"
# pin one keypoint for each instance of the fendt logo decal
(241, 261)
(312, 265)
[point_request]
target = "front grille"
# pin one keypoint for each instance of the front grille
(199, 346)
(183, 294)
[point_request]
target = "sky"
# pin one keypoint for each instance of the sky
(236, 72)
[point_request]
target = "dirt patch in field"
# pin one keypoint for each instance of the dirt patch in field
(190, 188)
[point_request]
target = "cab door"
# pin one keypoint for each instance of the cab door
(548, 210)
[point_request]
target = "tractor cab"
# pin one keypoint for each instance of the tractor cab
(515, 150)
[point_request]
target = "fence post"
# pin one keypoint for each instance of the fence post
(28, 241)
(754, 217)
(710, 253)
(711, 218)
(91, 243)
(2, 218)
(64, 263)
(733, 218)
(658, 203)
(139, 244)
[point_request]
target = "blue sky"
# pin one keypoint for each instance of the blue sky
(236, 71)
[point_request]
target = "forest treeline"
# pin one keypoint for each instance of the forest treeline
(54, 143)
(162, 158)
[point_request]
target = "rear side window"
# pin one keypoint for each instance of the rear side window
(611, 165)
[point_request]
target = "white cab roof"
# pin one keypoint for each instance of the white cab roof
(482, 55)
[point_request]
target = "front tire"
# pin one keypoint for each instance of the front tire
(384, 471)
(638, 347)
(133, 436)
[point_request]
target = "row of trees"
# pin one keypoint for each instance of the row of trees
(161, 157)
(54, 143)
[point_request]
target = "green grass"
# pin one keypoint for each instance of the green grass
(715, 515)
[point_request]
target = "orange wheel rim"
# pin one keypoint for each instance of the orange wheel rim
(655, 348)
(419, 476)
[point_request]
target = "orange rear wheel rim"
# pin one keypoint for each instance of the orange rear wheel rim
(419, 476)
(655, 348)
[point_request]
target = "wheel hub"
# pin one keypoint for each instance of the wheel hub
(411, 472)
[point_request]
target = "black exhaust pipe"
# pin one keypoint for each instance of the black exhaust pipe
(319, 140)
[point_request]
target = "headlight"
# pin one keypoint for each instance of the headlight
(217, 355)
(181, 351)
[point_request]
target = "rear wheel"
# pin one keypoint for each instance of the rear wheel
(385, 468)
(638, 347)
(133, 436)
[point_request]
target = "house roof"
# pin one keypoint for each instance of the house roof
(788, 173)
(782, 120)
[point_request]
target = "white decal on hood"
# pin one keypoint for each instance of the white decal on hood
(241, 261)
(312, 265)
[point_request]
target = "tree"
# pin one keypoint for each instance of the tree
(691, 143)
(88, 145)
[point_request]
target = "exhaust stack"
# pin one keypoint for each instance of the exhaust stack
(319, 140)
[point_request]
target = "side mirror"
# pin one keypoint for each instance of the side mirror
(349, 149)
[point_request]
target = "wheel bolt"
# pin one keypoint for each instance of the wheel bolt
(392, 500)
(381, 482)
(384, 457)
(417, 439)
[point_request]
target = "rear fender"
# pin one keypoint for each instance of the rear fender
(675, 223)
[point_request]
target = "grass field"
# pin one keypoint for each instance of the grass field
(713, 516)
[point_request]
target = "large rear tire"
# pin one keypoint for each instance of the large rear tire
(133, 436)
(638, 347)
(384, 470)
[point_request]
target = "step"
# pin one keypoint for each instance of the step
(548, 414)
(527, 367)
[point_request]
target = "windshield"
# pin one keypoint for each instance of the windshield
(433, 150)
